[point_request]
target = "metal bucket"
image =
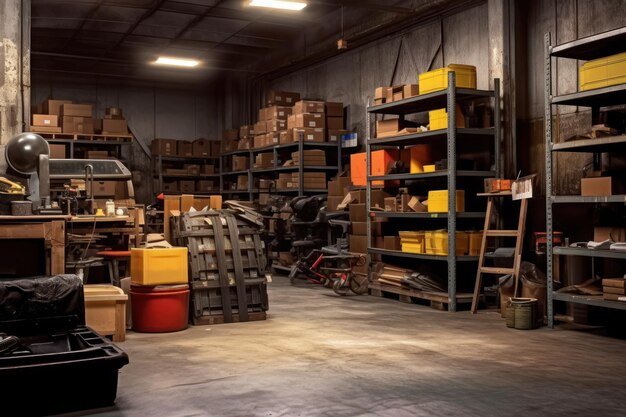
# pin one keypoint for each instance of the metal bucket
(521, 313)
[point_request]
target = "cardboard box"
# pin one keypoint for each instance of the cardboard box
(264, 160)
(207, 169)
(54, 106)
(170, 186)
(246, 131)
(77, 110)
(242, 182)
(358, 212)
(49, 120)
(192, 169)
(187, 186)
(175, 171)
(241, 163)
(392, 92)
(201, 147)
(57, 151)
(309, 106)
(275, 125)
(285, 136)
(97, 126)
(184, 148)
(358, 244)
(278, 112)
(391, 127)
(97, 154)
(231, 134)
(599, 186)
(334, 123)
(336, 186)
(114, 126)
(260, 128)
(334, 109)
(308, 135)
(392, 243)
(77, 124)
(397, 96)
(360, 228)
(306, 120)
(104, 188)
(616, 234)
(410, 90)
(332, 202)
(205, 186)
(262, 115)
(391, 204)
(164, 147)
(46, 129)
(282, 98)
(380, 93)
(335, 135)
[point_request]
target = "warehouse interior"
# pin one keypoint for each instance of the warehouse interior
(312, 207)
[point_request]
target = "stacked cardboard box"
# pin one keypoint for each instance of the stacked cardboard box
(67, 117)
(337, 190)
(614, 289)
(311, 180)
(113, 122)
(335, 123)
(240, 163)
(308, 121)
(47, 123)
(312, 157)
(384, 95)
(264, 160)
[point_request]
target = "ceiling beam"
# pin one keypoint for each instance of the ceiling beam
(84, 21)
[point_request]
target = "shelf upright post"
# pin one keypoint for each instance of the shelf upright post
(160, 168)
(497, 126)
(301, 164)
(548, 133)
(451, 104)
(368, 190)
(250, 176)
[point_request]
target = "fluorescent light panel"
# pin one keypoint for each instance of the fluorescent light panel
(176, 62)
(278, 4)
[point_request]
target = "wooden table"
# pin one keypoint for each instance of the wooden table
(49, 228)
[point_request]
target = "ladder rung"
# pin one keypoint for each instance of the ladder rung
(497, 271)
(502, 233)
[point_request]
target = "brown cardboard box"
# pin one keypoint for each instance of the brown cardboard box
(335, 135)
(285, 136)
(260, 128)
(392, 243)
(187, 186)
(264, 160)
(114, 126)
(272, 138)
(246, 131)
(215, 146)
(192, 169)
(259, 141)
(391, 204)
(231, 134)
(336, 187)
(358, 213)
(397, 96)
(175, 171)
(379, 101)
(358, 244)
(334, 123)
(334, 109)
(97, 126)
(308, 106)
(201, 147)
(616, 234)
(262, 115)
(97, 154)
(598, 186)
(282, 98)
(391, 127)
(57, 151)
(308, 120)
(104, 188)
(332, 202)
(49, 120)
(244, 144)
(275, 125)
(184, 148)
(242, 182)
(77, 110)
(377, 198)
(392, 92)
(54, 106)
(309, 135)
(165, 147)
(170, 186)
(46, 129)
(380, 93)
(207, 169)
(360, 228)
(241, 163)
(205, 186)
(77, 124)
(410, 90)
(278, 112)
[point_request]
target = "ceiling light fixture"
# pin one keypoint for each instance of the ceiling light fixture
(279, 4)
(176, 62)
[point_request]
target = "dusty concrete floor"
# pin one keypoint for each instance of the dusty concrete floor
(321, 355)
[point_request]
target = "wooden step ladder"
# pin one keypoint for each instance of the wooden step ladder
(517, 256)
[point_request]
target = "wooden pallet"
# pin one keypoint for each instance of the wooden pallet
(219, 319)
(437, 300)
(88, 137)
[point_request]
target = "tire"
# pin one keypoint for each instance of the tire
(339, 289)
(9, 344)
(359, 284)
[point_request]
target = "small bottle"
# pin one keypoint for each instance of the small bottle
(110, 208)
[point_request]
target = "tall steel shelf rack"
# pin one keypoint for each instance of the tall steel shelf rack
(448, 99)
(592, 47)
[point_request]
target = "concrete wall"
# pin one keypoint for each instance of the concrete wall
(151, 111)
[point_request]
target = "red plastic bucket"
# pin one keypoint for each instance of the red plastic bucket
(160, 309)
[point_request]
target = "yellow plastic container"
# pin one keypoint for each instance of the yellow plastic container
(438, 119)
(430, 168)
(603, 72)
(437, 80)
(438, 201)
(158, 266)
(412, 248)
(412, 241)
(437, 242)
(475, 240)
(105, 310)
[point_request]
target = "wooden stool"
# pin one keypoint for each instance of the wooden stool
(113, 258)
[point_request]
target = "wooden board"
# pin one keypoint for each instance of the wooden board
(219, 319)
(405, 294)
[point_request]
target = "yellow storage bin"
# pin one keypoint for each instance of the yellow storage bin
(412, 242)
(437, 80)
(430, 168)
(603, 72)
(438, 201)
(475, 240)
(158, 266)
(105, 310)
(437, 242)
(438, 119)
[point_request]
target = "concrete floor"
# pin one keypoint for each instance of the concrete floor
(322, 355)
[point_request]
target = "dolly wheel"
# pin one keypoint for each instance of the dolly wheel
(359, 284)
(340, 289)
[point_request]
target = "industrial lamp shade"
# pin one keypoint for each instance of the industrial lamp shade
(23, 151)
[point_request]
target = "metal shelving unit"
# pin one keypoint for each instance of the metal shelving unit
(592, 47)
(440, 99)
(159, 175)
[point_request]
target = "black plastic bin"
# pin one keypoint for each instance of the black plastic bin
(61, 365)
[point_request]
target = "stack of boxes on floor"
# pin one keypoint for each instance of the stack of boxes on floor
(200, 148)
(63, 116)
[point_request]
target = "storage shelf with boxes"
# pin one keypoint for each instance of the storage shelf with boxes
(431, 178)
(602, 84)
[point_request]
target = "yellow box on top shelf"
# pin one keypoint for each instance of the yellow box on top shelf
(437, 80)
(603, 72)
(438, 201)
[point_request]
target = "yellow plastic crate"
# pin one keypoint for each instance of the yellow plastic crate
(437, 80)
(413, 247)
(438, 119)
(603, 72)
(438, 201)
(430, 168)
(412, 241)
(158, 266)
(437, 242)
(475, 241)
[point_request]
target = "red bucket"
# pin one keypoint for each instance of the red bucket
(160, 309)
